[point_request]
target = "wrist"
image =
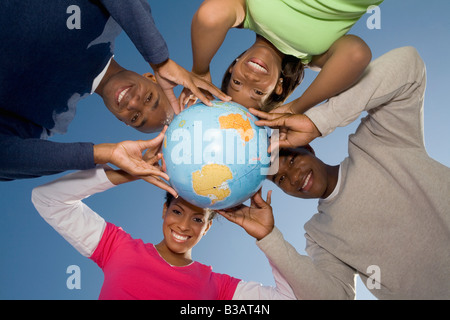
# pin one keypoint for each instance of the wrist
(157, 66)
(103, 152)
(119, 176)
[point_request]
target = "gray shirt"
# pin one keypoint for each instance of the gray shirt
(389, 220)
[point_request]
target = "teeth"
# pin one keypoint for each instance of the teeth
(257, 66)
(179, 236)
(122, 94)
(306, 180)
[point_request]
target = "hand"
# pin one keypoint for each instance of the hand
(169, 75)
(188, 98)
(257, 220)
(127, 155)
(295, 130)
(285, 108)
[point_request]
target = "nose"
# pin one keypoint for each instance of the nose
(134, 102)
(252, 77)
(184, 223)
(294, 178)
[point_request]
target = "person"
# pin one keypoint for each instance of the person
(64, 54)
(133, 269)
(311, 31)
(384, 211)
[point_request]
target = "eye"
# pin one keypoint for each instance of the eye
(258, 92)
(135, 117)
(236, 82)
(291, 162)
(149, 97)
(281, 179)
(198, 220)
(175, 211)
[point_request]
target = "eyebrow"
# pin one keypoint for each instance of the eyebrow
(273, 177)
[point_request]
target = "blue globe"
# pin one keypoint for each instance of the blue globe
(216, 157)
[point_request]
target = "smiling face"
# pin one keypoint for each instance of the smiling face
(255, 76)
(301, 174)
(137, 100)
(183, 227)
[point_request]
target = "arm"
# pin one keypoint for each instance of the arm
(256, 291)
(341, 66)
(257, 220)
(210, 25)
(327, 279)
(30, 158)
(395, 81)
(135, 18)
(317, 276)
(60, 204)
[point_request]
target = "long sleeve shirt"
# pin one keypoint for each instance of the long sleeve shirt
(389, 217)
(47, 66)
(134, 269)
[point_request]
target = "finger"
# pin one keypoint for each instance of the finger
(213, 90)
(263, 115)
(173, 100)
(276, 122)
(198, 93)
(151, 143)
(161, 184)
(269, 197)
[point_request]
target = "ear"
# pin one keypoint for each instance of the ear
(150, 76)
(207, 227)
(279, 87)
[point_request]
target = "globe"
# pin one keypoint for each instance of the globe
(216, 157)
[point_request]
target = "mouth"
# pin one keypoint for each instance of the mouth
(121, 93)
(179, 237)
(307, 182)
(257, 65)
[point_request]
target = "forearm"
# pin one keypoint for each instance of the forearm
(60, 204)
(135, 18)
(304, 277)
(256, 291)
(29, 158)
(209, 28)
(384, 80)
(341, 66)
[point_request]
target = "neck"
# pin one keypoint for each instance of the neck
(261, 41)
(333, 175)
(173, 258)
(113, 69)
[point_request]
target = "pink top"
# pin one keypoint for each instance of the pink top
(135, 270)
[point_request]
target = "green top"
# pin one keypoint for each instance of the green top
(304, 28)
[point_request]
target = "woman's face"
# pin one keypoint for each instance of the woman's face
(255, 76)
(184, 225)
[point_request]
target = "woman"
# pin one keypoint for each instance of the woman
(133, 269)
(305, 29)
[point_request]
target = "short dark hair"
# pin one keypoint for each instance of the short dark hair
(169, 198)
(292, 73)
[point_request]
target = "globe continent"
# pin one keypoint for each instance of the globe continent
(216, 157)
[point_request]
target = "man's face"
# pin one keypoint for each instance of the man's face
(301, 174)
(138, 101)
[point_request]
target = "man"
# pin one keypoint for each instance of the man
(53, 54)
(384, 212)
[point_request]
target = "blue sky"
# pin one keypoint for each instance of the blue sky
(34, 258)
